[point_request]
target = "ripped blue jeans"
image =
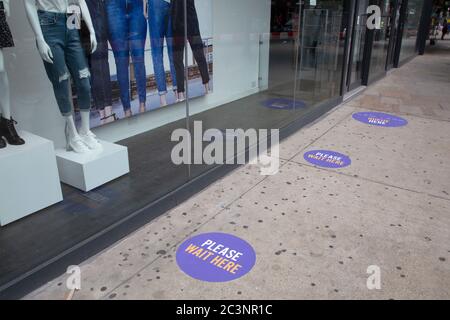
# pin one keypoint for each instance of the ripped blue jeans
(69, 60)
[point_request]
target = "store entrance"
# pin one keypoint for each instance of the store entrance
(306, 57)
(321, 44)
(393, 34)
(355, 44)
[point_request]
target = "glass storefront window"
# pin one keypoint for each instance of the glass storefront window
(287, 57)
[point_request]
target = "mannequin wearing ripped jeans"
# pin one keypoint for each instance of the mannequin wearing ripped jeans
(60, 48)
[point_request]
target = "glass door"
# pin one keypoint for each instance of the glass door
(393, 33)
(321, 52)
(380, 41)
(356, 43)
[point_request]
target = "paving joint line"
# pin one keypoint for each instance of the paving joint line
(369, 180)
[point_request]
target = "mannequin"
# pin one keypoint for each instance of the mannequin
(7, 128)
(60, 48)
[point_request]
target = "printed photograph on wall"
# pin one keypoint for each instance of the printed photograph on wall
(139, 64)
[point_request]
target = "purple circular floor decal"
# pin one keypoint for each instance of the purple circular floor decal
(327, 159)
(283, 104)
(380, 119)
(215, 257)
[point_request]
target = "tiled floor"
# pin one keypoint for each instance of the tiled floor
(315, 231)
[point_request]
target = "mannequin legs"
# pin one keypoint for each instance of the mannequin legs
(69, 62)
(85, 131)
(7, 124)
(73, 139)
(5, 109)
(85, 128)
(4, 95)
(72, 132)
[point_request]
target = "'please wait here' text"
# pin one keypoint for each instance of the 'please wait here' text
(216, 254)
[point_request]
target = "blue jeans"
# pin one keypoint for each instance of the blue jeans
(160, 26)
(127, 35)
(68, 60)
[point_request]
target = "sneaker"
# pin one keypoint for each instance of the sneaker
(90, 140)
(77, 145)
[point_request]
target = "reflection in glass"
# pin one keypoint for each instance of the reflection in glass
(411, 27)
(358, 43)
(381, 38)
(321, 52)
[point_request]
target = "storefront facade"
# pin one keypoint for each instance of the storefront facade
(245, 64)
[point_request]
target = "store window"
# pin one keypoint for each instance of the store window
(285, 56)
(99, 95)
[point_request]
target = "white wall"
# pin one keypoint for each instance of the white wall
(238, 61)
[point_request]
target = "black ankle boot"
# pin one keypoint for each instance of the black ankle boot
(8, 131)
(2, 143)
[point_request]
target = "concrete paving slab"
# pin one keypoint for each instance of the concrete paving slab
(418, 88)
(295, 143)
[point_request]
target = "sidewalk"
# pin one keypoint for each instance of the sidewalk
(315, 231)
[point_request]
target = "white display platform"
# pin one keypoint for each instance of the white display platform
(91, 170)
(29, 178)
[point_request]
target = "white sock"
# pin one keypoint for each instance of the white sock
(85, 121)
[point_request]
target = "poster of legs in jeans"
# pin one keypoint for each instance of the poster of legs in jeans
(139, 65)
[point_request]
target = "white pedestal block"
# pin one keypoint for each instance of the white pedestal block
(29, 178)
(91, 170)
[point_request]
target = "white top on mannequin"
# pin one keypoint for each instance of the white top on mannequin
(54, 5)
(32, 5)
